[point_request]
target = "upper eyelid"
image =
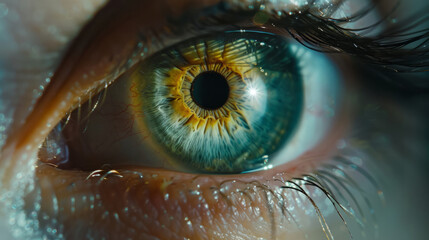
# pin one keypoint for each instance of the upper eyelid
(175, 25)
(87, 34)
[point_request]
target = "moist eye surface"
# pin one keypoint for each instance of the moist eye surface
(224, 103)
(221, 104)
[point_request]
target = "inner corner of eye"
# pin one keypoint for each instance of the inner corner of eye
(231, 103)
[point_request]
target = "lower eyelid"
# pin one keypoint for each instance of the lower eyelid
(151, 198)
(76, 193)
(147, 199)
(117, 199)
(114, 202)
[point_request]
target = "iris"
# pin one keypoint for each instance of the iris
(220, 104)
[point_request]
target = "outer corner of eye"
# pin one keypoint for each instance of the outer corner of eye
(231, 103)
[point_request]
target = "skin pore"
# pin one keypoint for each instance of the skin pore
(152, 203)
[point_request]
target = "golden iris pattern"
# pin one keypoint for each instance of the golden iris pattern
(221, 104)
(197, 117)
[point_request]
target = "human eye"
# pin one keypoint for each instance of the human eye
(334, 183)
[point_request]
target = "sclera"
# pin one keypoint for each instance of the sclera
(322, 85)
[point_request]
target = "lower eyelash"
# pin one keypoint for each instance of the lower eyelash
(321, 180)
(280, 196)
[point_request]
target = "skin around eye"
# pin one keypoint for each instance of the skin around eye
(68, 197)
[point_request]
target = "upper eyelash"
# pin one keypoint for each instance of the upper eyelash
(388, 49)
(398, 49)
(392, 51)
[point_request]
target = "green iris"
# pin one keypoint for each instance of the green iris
(221, 104)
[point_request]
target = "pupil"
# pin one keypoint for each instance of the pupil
(210, 90)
